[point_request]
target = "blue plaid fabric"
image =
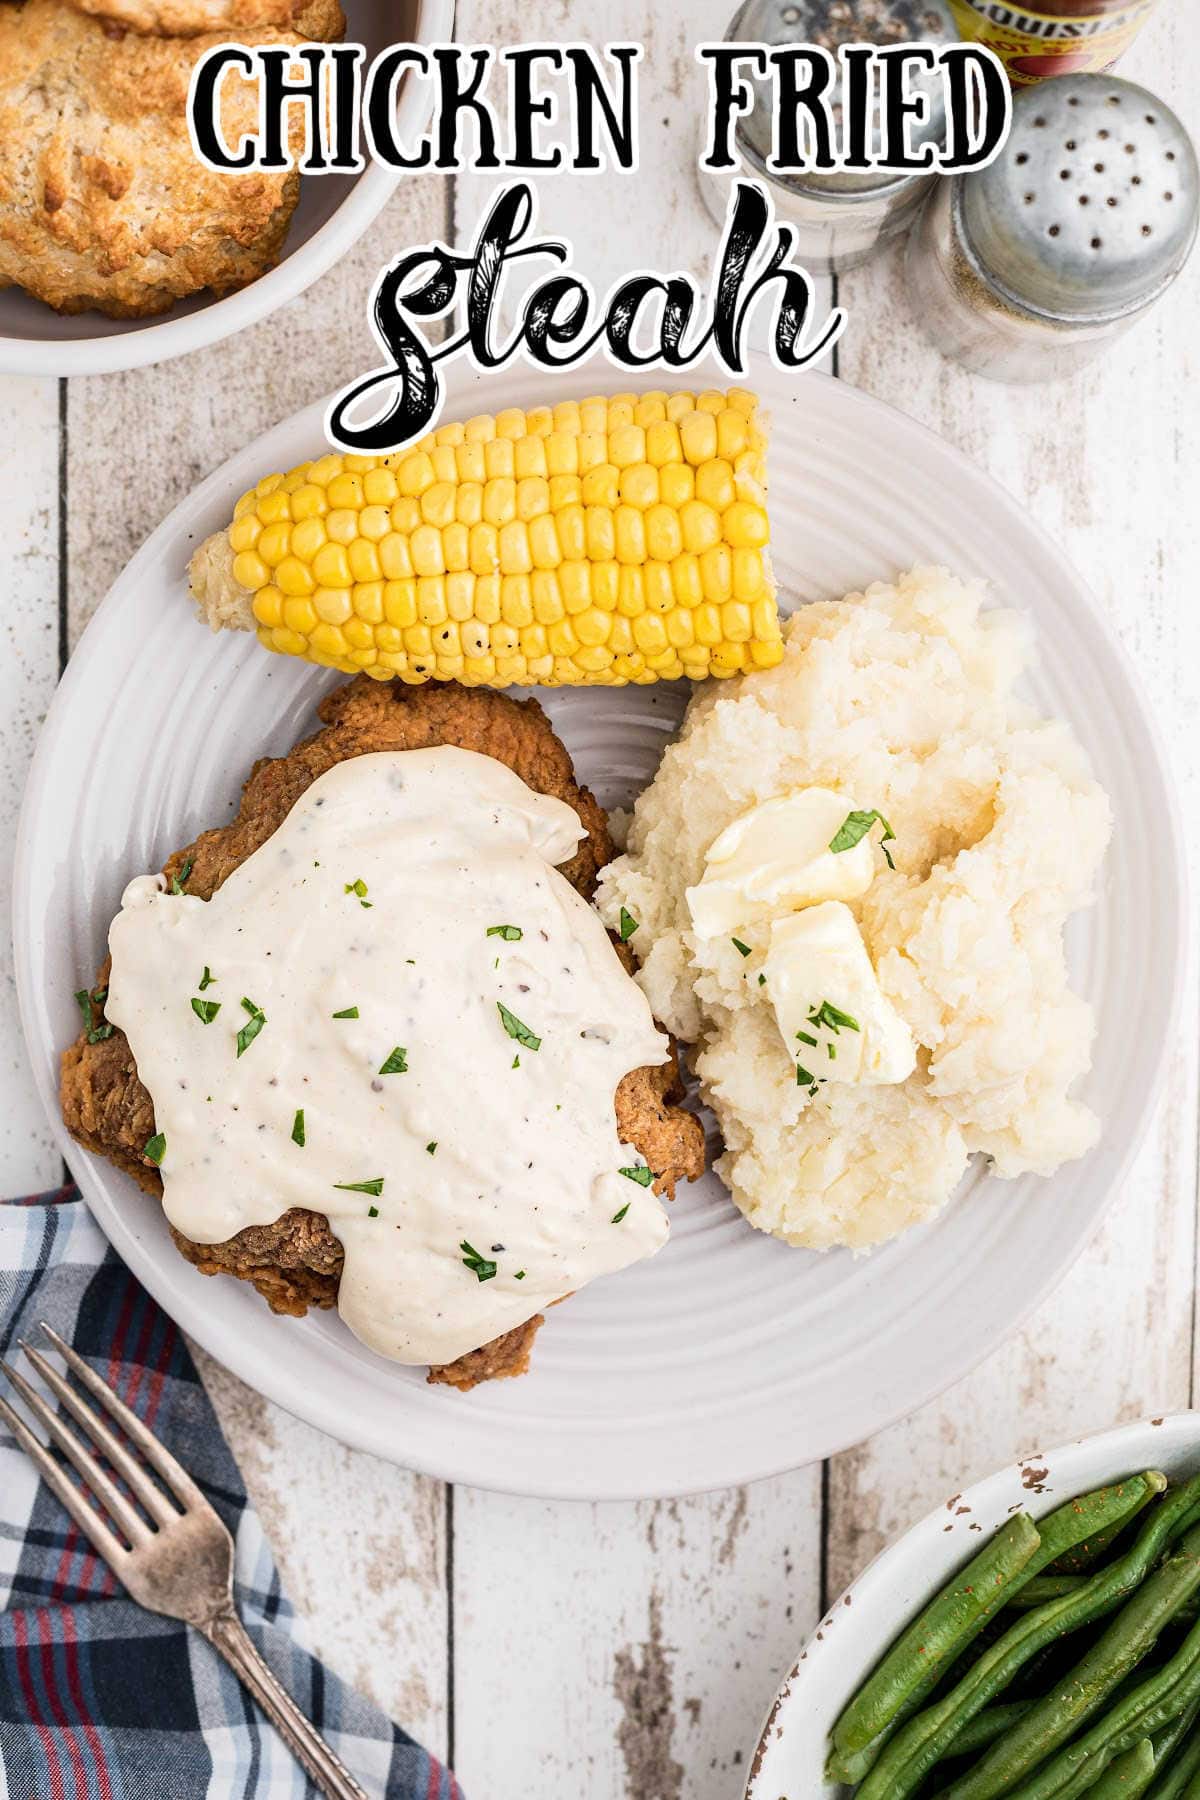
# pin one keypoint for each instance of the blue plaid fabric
(98, 1699)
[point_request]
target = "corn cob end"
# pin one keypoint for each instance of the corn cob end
(611, 540)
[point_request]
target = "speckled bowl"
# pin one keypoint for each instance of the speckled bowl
(790, 1757)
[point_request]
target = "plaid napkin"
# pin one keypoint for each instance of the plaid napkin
(98, 1699)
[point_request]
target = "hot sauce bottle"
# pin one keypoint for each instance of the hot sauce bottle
(1052, 37)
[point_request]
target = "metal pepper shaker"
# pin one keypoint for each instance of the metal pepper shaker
(841, 218)
(1026, 269)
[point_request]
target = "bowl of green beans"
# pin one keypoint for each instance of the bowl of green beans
(1035, 1638)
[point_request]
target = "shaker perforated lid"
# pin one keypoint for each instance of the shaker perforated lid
(1091, 207)
(831, 23)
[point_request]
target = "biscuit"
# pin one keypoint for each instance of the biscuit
(318, 20)
(102, 202)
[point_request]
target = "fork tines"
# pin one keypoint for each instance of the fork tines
(132, 1528)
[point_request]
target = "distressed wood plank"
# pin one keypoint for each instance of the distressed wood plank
(1106, 463)
(29, 658)
(649, 1638)
(361, 1545)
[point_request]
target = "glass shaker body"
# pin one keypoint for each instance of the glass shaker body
(841, 218)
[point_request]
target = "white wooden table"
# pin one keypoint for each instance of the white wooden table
(626, 1652)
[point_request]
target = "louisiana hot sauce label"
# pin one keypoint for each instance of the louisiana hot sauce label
(1057, 37)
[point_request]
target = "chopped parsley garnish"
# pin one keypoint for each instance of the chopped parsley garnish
(520, 1275)
(396, 1063)
(512, 934)
(179, 882)
(742, 949)
(156, 1148)
(298, 1127)
(358, 887)
(804, 1038)
(430, 1148)
(854, 828)
(762, 980)
(803, 1078)
(832, 1017)
(374, 1186)
(96, 1034)
(480, 1266)
(372, 1212)
(640, 1173)
(515, 1029)
(252, 1027)
(350, 1012)
(207, 979)
(832, 1049)
(206, 1010)
(628, 925)
(620, 1212)
(516, 1062)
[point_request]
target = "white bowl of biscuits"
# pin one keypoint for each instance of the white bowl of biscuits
(117, 247)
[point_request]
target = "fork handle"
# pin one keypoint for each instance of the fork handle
(227, 1634)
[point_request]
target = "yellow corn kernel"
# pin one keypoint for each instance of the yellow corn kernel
(592, 626)
(367, 601)
(658, 588)
(244, 532)
(333, 605)
(601, 486)
(631, 593)
(250, 570)
(268, 606)
(294, 576)
(615, 539)
(664, 538)
(629, 534)
(274, 506)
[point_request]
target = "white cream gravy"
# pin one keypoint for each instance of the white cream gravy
(378, 893)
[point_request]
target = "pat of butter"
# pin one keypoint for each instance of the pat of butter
(777, 856)
(833, 1016)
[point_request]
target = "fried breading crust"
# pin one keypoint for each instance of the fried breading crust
(296, 1262)
(102, 202)
(320, 20)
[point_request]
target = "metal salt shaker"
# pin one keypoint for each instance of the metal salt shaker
(1026, 269)
(841, 219)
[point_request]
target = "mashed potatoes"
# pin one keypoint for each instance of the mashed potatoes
(901, 698)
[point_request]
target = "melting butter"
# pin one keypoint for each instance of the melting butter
(834, 1018)
(776, 856)
(464, 1097)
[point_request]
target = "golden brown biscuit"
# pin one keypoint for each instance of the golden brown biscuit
(102, 202)
(321, 21)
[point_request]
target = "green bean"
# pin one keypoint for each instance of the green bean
(1046, 1587)
(1180, 1776)
(1125, 1643)
(987, 1726)
(922, 1653)
(1149, 1707)
(1128, 1777)
(933, 1733)
(1168, 1740)
(950, 1620)
(1081, 1558)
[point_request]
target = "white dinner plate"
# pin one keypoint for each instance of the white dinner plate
(789, 1761)
(728, 1356)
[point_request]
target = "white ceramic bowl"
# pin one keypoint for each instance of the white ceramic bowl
(333, 213)
(859, 1626)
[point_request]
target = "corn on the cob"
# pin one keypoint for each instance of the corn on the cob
(596, 542)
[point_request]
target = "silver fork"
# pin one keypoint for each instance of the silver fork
(181, 1563)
